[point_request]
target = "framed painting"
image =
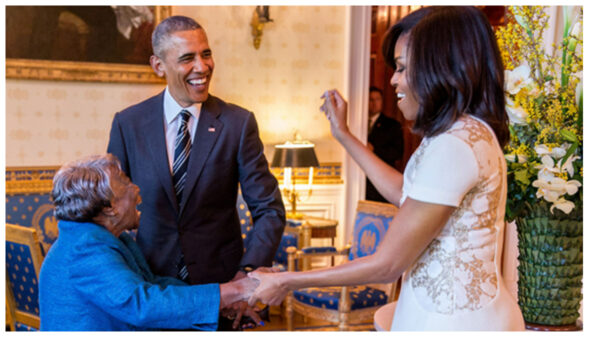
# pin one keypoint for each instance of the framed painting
(82, 43)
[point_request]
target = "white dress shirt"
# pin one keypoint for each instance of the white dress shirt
(172, 119)
(372, 120)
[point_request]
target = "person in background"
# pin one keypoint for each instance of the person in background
(385, 138)
(95, 277)
(189, 152)
(447, 236)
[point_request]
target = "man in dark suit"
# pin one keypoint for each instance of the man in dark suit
(385, 138)
(187, 151)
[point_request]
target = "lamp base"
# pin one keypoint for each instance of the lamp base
(294, 215)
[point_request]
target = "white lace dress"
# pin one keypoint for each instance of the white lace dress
(456, 284)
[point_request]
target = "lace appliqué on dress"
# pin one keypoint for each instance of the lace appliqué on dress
(457, 271)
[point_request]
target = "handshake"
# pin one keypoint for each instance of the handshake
(245, 299)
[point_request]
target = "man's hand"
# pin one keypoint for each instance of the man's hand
(236, 310)
(239, 275)
(235, 291)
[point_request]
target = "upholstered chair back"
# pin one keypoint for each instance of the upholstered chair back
(28, 201)
(370, 225)
(23, 263)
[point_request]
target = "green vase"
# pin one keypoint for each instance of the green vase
(550, 266)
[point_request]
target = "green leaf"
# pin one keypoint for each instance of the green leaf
(570, 152)
(521, 176)
(569, 136)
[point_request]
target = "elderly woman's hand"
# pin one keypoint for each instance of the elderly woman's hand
(335, 108)
(271, 290)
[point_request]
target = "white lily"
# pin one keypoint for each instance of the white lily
(519, 158)
(562, 204)
(572, 186)
(516, 114)
(517, 78)
(568, 165)
(570, 15)
(547, 163)
(553, 188)
(576, 29)
(556, 152)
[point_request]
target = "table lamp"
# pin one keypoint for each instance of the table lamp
(297, 154)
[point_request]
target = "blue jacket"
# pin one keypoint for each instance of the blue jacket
(92, 280)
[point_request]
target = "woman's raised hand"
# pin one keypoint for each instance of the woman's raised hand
(336, 109)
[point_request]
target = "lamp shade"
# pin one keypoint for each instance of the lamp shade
(295, 155)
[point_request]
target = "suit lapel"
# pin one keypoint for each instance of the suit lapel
(155, 140)
(207, 132)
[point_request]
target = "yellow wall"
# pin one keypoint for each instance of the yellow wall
(303, 53)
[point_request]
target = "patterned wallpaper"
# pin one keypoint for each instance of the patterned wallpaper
(303, 53)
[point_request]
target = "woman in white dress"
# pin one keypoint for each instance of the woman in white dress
(447, 235)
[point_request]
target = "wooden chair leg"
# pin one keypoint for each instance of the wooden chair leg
(289, 312)
(344, 309)
(10, 307)
(291, 252)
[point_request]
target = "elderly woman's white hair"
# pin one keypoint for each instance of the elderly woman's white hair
(81, 189)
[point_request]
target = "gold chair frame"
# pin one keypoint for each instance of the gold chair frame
(28, 237)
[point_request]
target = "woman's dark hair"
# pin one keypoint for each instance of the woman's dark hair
(401, 27)
(454, 68)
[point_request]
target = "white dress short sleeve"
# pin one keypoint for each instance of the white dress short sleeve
(446, 172)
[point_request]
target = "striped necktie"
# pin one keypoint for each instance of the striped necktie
(183, 145)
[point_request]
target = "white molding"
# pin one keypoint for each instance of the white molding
(357, 93)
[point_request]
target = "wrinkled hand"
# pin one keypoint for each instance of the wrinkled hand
(335, 108)
(270, 291)
(237, 310)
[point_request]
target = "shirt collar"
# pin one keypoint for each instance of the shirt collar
(373, 118)
(172, 108)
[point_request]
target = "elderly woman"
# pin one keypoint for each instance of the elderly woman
(95, 277)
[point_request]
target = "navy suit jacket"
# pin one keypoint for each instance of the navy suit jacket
(93, 281)
(226, 150)
(388, 144)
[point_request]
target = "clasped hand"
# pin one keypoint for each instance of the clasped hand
(235, 311)
(270, 291)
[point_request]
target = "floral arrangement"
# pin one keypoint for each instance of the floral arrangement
(545, 106)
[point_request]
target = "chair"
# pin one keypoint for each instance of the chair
(28, 201)
(347, 304)
(290, 236)
(23, 261)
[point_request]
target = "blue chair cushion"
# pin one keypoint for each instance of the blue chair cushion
(319, 249)
(362, 297)
(292, 223)
(22, 277)
(23, 327)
